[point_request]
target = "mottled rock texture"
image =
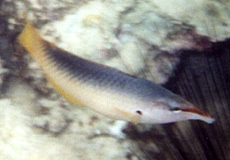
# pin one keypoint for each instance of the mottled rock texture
(147, 38)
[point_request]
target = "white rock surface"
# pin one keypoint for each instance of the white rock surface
(65, 134)
(123, 34)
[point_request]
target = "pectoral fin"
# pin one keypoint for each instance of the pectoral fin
(130, 117)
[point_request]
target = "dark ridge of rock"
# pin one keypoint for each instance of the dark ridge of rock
(202, 78)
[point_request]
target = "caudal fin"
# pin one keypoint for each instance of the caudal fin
(31, 40)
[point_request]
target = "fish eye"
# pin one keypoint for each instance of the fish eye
(176, 109)
(139, 112)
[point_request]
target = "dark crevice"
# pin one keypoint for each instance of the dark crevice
(202, 78)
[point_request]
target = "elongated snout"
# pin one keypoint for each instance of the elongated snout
(197, 114)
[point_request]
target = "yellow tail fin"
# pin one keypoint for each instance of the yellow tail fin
(31, 40)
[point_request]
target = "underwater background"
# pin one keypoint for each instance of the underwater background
(183, 45)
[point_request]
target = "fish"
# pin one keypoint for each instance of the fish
(108, 91)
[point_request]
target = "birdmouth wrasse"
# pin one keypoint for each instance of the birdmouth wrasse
(106, 90)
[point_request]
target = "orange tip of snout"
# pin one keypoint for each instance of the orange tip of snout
(201, 114)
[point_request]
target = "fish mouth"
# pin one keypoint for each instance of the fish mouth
(201, 115)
